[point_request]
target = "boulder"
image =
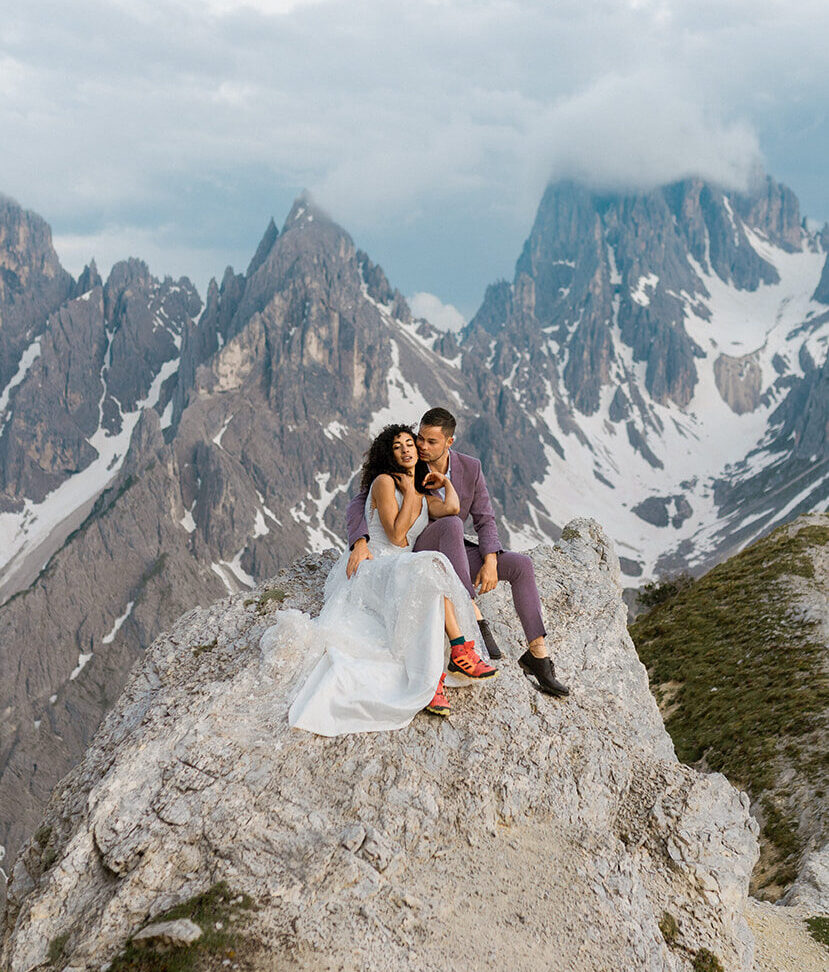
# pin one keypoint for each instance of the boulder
(169, 934)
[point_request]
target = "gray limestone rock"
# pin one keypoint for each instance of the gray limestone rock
(99, 355)
(739, 382)
(559, 832)
(811, 889)
(172, 934)
(55, 409)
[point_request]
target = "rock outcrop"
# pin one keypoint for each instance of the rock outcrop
(522, 832)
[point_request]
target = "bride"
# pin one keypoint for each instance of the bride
(382, 631)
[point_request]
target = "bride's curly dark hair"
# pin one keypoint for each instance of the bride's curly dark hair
(380, 458)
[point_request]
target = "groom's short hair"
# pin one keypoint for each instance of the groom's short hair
(441, 418)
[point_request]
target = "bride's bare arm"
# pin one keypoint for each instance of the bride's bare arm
(450, 506)
(396, 523)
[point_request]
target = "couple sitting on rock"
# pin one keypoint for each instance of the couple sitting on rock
(405, 580)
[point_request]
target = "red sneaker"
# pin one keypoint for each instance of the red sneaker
(464, 660)
(439, 704)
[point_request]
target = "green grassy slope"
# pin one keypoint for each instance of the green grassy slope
(740, 676)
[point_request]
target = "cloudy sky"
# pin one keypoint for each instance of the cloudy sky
(174, 129)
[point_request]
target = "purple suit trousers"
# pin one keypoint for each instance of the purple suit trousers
(446, 535)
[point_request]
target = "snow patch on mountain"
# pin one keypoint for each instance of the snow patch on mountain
(653, 474)
(310, 512)
(29, 356)
(109, 637)
(406, 401)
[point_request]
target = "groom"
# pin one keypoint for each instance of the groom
(486, 561)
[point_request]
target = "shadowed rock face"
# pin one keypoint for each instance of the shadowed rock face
(55, 409)
(32, 282)
(811, 426)
(99, 356)
(575, 816)
(822, 291)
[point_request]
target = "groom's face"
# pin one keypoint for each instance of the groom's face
(432, 443)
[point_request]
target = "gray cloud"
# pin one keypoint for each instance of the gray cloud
(429, 129)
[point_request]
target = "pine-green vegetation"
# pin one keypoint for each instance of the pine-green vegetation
(220, 913)
(705, 961)
(818, 926)
(269, 598)
(745, 673)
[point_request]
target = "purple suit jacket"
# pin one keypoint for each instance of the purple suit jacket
(470, 485)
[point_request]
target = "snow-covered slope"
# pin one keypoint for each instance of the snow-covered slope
(682, 417)
(68, 413)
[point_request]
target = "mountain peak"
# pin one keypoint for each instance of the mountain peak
(303, 212)
(88, 279)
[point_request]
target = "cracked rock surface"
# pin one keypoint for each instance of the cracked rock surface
(522, 832)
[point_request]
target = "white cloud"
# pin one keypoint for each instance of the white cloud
(270, 8)
(445, 316)
(643, 130)
(184, 113)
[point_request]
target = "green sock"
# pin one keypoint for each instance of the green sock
(455, 642)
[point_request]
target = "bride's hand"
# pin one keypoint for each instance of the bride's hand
(405, 484)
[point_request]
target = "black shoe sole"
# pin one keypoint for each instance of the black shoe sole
(558, 693)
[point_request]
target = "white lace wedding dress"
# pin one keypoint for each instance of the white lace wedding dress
(381, 636)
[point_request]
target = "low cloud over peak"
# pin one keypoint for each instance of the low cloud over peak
(644, 130)
(428, 129)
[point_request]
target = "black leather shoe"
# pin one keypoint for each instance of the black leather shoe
(544, 672)
(489, 640)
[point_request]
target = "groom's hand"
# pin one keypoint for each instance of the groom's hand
(359, 553)
(487, 577)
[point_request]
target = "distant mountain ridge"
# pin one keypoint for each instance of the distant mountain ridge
(670, 349)
(224, 439)
(157, 452)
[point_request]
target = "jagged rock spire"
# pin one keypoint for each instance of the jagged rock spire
(264, 248)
